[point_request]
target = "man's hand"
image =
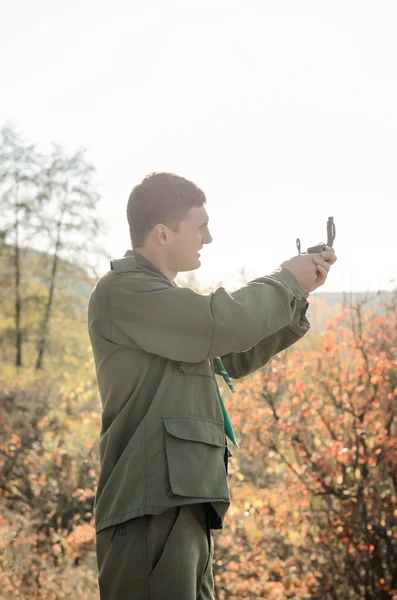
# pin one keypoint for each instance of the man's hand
(311, 270)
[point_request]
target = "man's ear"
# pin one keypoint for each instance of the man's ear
(160, 234)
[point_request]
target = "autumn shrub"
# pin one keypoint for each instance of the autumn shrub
(49, 469)
(314, 485)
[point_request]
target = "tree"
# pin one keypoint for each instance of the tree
(71, 220)
(20, 200)
(48, 221)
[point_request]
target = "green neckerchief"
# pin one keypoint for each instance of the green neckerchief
(228, 426)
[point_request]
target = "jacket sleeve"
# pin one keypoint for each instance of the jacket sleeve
(148, 312)
(240, 364)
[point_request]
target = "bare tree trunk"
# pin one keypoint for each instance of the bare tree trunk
(47, 313)
(18, 303)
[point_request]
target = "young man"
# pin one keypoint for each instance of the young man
(163, 447)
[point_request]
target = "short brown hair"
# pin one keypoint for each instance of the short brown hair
(160, 198)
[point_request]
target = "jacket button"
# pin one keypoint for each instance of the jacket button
(122, 531)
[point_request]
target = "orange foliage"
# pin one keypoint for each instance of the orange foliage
(314, 484)
(46, 495)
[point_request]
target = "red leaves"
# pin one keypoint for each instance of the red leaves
(316, 467)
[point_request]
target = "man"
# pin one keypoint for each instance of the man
(163, 447)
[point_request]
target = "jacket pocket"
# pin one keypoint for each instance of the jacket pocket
(195, 449)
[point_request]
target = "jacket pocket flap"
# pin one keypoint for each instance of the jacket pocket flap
(196, 429)
(202, 368)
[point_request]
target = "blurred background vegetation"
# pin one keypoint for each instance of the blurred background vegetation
(314, 484)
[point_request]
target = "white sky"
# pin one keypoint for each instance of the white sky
(284, 112)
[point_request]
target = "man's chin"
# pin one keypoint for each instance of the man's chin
(195, 266)
(190, 267)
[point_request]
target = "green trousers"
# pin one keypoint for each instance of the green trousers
(157, 557)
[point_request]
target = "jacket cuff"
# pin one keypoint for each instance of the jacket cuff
(289, 281)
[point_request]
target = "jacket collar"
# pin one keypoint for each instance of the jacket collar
(145, 264)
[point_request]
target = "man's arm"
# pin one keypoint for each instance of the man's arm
(146, 311)
(240, 364)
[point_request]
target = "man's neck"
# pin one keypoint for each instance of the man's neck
(158, 261)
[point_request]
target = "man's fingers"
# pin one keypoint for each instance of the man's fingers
(323, 273)
(323, 263)
(329, 255)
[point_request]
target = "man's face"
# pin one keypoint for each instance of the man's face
(184, 245)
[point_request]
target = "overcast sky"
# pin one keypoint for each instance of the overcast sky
(284, 112)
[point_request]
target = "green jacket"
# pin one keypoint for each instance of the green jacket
(162, 441)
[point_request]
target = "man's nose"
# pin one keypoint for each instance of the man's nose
(207, 239)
